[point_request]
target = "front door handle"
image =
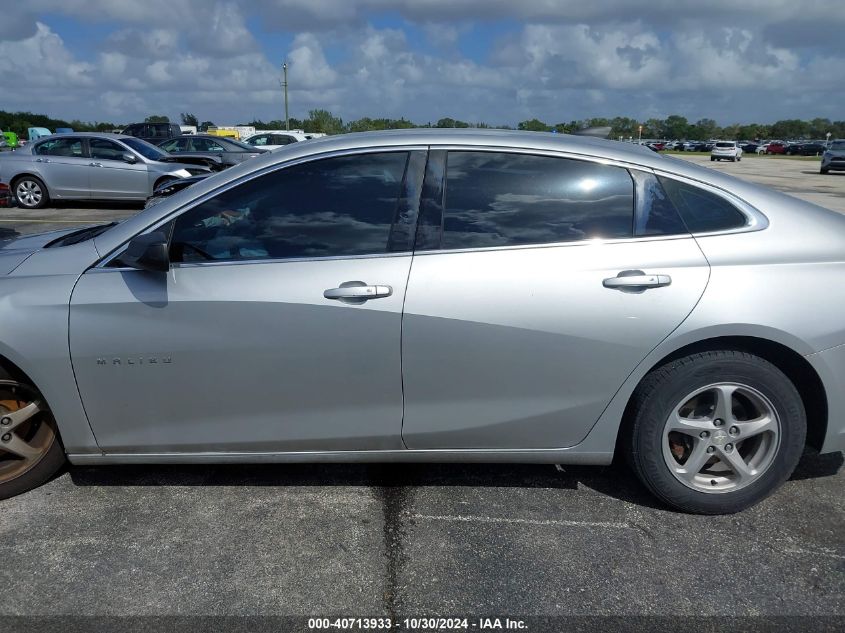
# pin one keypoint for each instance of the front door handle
(95, 164)
(636, 280)
(357, 292)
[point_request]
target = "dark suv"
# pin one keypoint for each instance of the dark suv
(153, 132)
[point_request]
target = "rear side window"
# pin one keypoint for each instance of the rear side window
(503, 199)
(702, 211)
(61, 147)
(656, 215)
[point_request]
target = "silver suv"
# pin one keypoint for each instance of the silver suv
(726, 150)
(833, 157)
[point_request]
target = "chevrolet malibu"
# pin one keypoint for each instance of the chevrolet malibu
(457, 295)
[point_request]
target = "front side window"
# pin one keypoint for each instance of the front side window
(61, 147)
(104, 149)
(326, 208)
(259, 141)
(281, 139)
(147, 150)
(173, 145)
(502, 199)
(701, 210)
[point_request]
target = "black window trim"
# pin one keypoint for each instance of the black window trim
(103, 264)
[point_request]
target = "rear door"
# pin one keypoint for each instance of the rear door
(523, 315)
(65, 165)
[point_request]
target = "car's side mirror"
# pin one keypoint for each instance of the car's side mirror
(129, 157)
(148, 252)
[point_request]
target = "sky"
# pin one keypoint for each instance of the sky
(496, 61)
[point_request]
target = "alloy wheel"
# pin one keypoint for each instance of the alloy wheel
(29, 193)
(27, 430)
(721, 438)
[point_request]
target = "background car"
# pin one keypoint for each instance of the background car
(274, 140)
(167, 189)
(806, 148)
(152, 132)
(227, 151)
(6, 199)
(776, 147)
(726, 150)
(833, 158)
(88, 166)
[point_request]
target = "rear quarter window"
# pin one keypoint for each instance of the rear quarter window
(701, 210)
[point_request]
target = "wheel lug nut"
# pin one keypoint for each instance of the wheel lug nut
(6, 421)
(704, 435)
(710, 449)
(6, 437)
(718, 422)
(734, 430)
(729, 447)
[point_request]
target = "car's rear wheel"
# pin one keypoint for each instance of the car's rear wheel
(30, 192)
(715, 432)
(30, 449)
(823, 171)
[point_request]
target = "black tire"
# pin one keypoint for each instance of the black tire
(45, 196)
(51, 459)
(663, 389)
(823, 171)
(712, 159)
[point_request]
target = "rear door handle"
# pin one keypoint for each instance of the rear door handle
(42, 160)
(357, 292)
(636, 279)
(95, 164)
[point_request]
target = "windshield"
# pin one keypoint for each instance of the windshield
(724, 144)
(147, 150)
(839, 145)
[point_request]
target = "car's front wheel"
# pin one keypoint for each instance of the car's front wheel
(30, 192)
(715, 432)
(30, 450)
(823, 171)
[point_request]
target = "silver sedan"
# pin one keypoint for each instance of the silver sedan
(438, 295)
(89, 167)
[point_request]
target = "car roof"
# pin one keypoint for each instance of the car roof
(119, 137)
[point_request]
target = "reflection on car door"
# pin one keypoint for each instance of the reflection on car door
(278, 327)
(113, 178)
(65, 166)
(512, 338)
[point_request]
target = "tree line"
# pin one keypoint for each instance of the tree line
(672, 127)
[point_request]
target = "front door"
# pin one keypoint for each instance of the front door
(277, 328)
(525, 318)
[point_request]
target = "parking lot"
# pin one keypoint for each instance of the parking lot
(422, 540)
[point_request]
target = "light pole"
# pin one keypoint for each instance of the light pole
(285, 86)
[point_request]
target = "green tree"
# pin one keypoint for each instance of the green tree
(189, 119)
(157, 118)
(323, 121)
(203, 127)
(676, 127)
(533, 125)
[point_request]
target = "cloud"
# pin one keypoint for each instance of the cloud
(497, 61)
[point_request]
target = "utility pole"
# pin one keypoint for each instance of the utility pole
(285, 86)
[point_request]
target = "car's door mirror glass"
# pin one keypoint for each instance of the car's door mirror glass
(130, 158)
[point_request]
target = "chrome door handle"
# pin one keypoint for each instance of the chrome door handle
(636, 279)
(95, 164)
(42, 160)
(357, 292)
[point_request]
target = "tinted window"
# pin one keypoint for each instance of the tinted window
(105, 149)
(281, 139)
(207, 145)
(173, 145)
(150, 152)
(498, 199)
(259, 140)
(701, 210)
(332, 207)
(656, 215)
(61, 147)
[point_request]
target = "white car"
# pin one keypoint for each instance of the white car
(726, 150)
(275, 139)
